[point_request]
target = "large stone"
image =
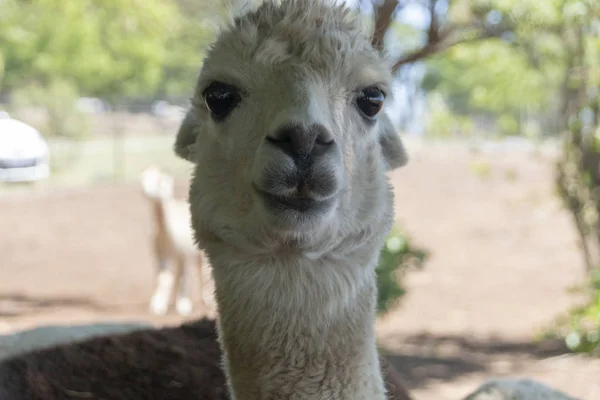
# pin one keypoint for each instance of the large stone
(50, 335)
(516, 389)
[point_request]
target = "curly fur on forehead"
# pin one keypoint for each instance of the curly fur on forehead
(320, 33)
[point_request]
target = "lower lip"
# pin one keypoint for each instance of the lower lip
(291, 203)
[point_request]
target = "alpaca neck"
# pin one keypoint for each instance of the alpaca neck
(158, 210)
(298, 328)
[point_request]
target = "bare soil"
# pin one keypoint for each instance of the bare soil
(503, 256)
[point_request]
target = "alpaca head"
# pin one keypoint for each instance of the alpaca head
(156, 184)
(287, 130)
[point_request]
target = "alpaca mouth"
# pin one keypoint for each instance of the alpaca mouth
(300, 203)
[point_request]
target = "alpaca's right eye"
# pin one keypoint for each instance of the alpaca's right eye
(370, 101)
(221, 98)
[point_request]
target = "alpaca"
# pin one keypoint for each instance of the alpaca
(173, 245)
(290, 198)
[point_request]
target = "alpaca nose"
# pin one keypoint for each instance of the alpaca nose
(302, 142)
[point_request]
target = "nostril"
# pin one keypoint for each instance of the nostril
(284, 139)
(283, 142)
(324, 141)
(324, 137)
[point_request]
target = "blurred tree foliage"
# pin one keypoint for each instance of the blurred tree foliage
(512, 80)
(578, 177)
(154, 47)
(62, 119)
(105, 47)
(186, 43)
(1, 69)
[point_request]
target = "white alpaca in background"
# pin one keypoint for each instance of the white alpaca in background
(173, 245)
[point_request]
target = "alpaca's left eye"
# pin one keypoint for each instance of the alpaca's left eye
(370, 101)
(221, 98)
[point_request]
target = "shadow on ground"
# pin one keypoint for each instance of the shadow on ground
(19, 304)
(424, 358)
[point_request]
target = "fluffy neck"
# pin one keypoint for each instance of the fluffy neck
(296, 328)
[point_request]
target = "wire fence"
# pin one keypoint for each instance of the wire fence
(106, 144)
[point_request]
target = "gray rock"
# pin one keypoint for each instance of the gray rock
(50, 335)
(516, 389)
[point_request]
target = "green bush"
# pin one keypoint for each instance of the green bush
(580, 328)
(583, 329)
(397, 257)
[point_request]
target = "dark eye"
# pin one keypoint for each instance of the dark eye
(221, 99)
(370, 101)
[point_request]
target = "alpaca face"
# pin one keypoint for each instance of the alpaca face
(287, 127)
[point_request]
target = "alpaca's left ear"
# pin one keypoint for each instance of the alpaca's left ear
(392, 148)
(187, 135)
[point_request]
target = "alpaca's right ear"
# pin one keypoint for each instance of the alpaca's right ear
(394, 152)
(186, 136)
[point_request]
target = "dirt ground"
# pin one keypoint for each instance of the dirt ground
(503, 254)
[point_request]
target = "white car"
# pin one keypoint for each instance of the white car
(24, 154)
